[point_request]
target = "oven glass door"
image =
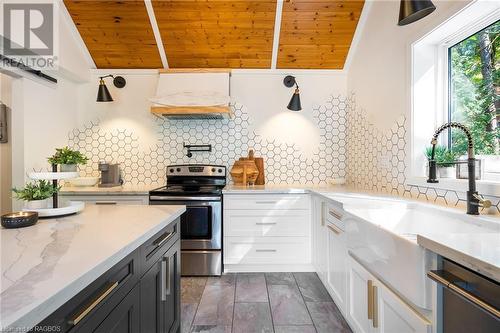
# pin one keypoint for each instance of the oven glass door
(196, 223)
(200, 224)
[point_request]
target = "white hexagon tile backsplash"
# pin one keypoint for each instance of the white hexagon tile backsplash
(230, 139)
(349, 147)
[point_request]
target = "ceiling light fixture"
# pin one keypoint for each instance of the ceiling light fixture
(294, 104)
(103, 94)
(413, 10)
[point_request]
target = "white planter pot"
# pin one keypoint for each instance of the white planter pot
(447, 172)
(68, 167)
(37, 204)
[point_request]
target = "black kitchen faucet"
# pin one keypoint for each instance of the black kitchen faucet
(474, 200)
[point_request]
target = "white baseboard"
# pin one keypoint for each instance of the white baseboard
(247, 268)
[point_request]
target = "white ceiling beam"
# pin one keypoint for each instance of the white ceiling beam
(277, 29)
(156, 32)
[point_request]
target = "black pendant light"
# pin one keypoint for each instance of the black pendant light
(294, 104)
(103, 94)
(413, 10)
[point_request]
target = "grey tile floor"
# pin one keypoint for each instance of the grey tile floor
(260, 303)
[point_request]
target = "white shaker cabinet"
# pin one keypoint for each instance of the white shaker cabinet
(337, 256)
(396, 316)
(374, 308)
(320, 239)
(267, 232)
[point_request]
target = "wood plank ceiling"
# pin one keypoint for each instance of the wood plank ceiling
(117, 34)
(314, 34)
(217, 33)
(317, 33)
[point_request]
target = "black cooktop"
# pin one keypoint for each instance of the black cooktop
(187, 190)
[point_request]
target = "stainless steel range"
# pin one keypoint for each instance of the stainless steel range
(199, 188)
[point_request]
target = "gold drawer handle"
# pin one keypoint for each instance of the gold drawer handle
(375, 307)
(333, 213)
(98, 300)
(370, 298)
(334, 229)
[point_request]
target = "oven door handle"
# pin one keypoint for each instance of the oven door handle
(181, 198)
(439, 278)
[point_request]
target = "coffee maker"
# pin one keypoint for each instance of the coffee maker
(110, 175)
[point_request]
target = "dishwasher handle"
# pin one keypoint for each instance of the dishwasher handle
(449, 281)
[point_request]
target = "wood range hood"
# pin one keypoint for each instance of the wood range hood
(181, 94)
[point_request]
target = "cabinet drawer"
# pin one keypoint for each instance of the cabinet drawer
(153, 249)
(267, 201)
(260, 223)
(334, 214)
(243, 250)
(97, 300)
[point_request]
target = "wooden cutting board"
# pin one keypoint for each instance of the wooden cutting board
(259, 163)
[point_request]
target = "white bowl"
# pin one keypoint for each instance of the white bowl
(84, 181)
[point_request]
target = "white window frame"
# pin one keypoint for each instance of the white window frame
(441, 39)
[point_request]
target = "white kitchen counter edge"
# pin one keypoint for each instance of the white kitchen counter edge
(472, 262)
(30, 316)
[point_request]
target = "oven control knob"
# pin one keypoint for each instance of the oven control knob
(220, 170)
(213, 169)
(171, 170)
(178, 169)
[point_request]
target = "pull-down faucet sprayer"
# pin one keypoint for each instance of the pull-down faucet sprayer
(474, 200)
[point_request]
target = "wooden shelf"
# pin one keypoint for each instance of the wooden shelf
(192, 111)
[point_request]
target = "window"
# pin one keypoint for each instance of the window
(447, 84)
(474, 87)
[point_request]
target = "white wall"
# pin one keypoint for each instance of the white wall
(42, 112)
(6, 149)
(380, 70)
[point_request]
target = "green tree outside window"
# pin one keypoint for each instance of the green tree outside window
(475, 90)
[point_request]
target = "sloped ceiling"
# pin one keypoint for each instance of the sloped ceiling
(314, 34)
(117, 34)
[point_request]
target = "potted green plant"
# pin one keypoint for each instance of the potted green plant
(445, 160)
(68, 159)
(35, 194)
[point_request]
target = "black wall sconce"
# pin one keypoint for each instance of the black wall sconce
(413, 10)
(294, 104)
(103, 94)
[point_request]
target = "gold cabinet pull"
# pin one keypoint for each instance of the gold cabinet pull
(98, 300)
(334, 229)
(333, 213)
(370, 299)
(375, 307)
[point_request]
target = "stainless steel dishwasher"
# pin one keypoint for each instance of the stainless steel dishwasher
(468, 302)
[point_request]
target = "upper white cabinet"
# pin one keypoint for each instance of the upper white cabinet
(267, 232)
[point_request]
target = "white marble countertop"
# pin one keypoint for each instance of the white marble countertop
(116, 190)
(479, 252)
(45, 265)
